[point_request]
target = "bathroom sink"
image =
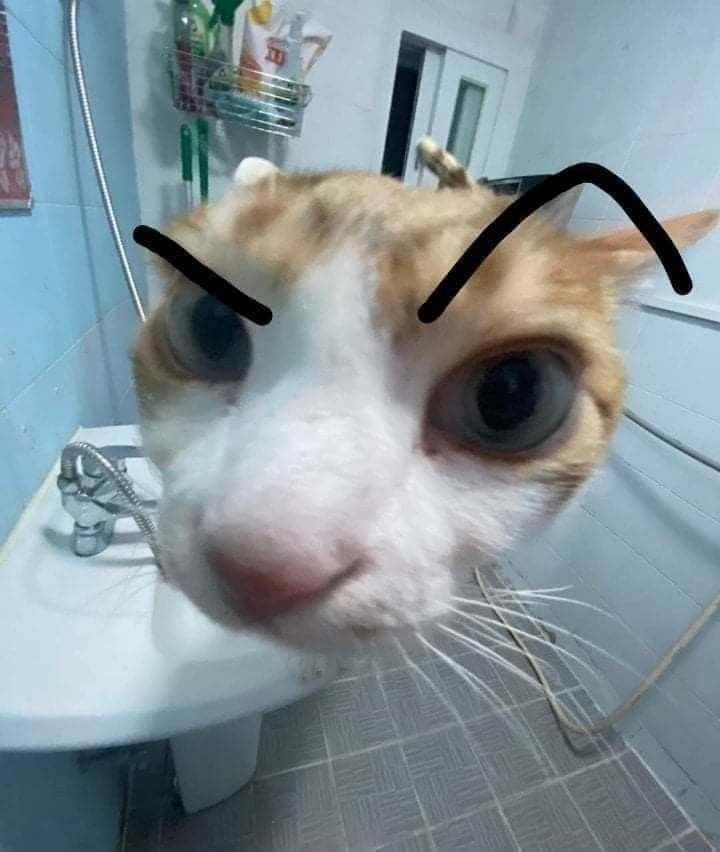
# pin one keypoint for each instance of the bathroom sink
(182, 631)
(100, 651)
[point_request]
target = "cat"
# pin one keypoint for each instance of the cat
(323, 475)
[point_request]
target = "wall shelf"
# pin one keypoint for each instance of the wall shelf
(237, 93)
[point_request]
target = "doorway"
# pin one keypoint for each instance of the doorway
(440, 92)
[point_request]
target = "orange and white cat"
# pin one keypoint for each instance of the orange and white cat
(322, 474)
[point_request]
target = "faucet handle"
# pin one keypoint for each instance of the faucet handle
(116, 454)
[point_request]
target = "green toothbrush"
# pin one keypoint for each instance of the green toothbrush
(186, 156)
(203, 130)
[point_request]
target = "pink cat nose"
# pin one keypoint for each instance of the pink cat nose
(265, 589)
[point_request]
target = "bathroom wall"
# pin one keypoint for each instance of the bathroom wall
(636, 86)
(65, 317)
(346, 123)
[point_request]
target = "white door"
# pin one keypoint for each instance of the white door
(458, 102)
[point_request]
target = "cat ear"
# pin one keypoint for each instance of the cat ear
(626, 254)
(253, 170)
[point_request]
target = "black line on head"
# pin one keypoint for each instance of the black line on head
(203, 276)
(529, 203)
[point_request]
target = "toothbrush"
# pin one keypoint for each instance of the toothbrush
(186, 155)
(203, 130)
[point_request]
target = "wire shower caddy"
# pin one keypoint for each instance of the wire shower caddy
(238, 93)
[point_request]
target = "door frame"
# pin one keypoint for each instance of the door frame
(441, 85)
(428, 24)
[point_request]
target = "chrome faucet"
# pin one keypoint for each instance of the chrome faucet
(96, 491)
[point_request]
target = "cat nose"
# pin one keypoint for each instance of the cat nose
(264, 588)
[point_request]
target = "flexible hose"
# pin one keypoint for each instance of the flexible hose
(97, 158)
(68, 469)
(665, 662)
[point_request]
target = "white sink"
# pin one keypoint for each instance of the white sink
(100, 651)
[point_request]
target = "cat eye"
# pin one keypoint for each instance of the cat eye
(208, 338)
(511, 404)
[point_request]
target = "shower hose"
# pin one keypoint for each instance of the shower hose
(147, 527)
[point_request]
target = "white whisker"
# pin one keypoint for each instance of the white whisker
(507, 590)
(551, 626)
(542, 598)
(516, 725)
(469, 677)
(493, 656)
(413, 665)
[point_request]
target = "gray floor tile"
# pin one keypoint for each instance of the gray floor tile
(674, 819)
(393, 653)
(588, 713)
(298, 810)
(286, 836)
(519, 690)
(396, 770)
(355, 716)
(447, 774)
(414, 648)
(548, 820)
(565, 754)
(556, 670)
(291, 737)
(616, 811)
(468, 697)
(484, 831)
(381, 770)
(386, 655)
(450, 644)
(346, 696)
(377, 799)
(511, 760)
(413, 843)
(415, 706)
(356, 665)
(223, 828)
(694, 842)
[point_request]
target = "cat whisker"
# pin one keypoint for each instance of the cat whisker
(139, 573)
(492, 655)
(539, 639)
(473, 680)
(133, 594)
(426, 677)
(527, 599)
(556, 590)
(485, 632)
(507, 713)
(558, 629)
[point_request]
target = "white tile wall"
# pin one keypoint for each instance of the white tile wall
(635, 85)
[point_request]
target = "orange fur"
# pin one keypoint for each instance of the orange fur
(538, 285)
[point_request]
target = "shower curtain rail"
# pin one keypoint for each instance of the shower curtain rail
(672, 442)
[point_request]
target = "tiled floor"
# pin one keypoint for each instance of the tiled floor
(409, 758)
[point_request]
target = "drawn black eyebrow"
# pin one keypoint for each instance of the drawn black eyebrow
(202, 275)
(529, 203)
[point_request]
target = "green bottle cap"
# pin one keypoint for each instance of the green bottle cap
(225, 12)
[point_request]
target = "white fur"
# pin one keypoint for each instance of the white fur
(252, 170)
(320, 455)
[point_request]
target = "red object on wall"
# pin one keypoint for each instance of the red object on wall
(14, 180)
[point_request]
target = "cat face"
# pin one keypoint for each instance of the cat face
(325, 475)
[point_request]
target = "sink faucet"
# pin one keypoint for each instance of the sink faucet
(96, 491)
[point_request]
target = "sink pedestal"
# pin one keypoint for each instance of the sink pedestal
(213, 763)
